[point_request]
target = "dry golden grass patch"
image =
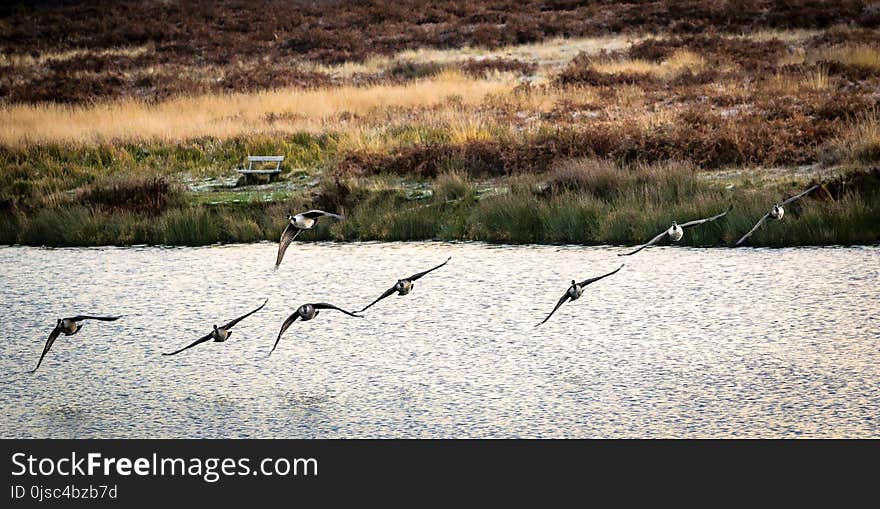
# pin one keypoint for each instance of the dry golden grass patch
(468, 128)
(679, 62)
(862, 56)
(28, 60)
(860, 140)
(769, 34)
(552, 52)
(814, 80)
(226, 116)
(643, 120)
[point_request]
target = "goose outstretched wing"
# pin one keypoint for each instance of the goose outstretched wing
(80, 318)
(387, 293)
(194, 343)
(287, 236)
(797, 196)
(706, 220)
(52, 336)
(287, 323)
(242, 317)
(757, 225)
(558, 304)
(315, 214)
(594, 279)
(420, 274)
(324, 305)
(643, 246)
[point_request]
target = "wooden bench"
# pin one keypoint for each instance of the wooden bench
(271, 172)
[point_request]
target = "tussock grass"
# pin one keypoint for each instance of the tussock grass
(812, 80)
(861, 56)
(679, 62)
(453, 186)
(860, 141)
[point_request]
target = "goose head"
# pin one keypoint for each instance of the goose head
(675, 232)
(403, 286)
(777, 211)
(307, 312)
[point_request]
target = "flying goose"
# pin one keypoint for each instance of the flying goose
(305, 313)
(295, 225)
(403, 286)
(219, 334)
(676, 231)
(69, 327)
(575, 291)
(775, 213)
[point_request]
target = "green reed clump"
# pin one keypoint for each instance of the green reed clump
(382, 212)
(663, 182)
(53, 227)
(571, 218)
(190, 227)
(452, 186)
(513, 218)
(415, 223)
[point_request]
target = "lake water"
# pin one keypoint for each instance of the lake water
(680, 343)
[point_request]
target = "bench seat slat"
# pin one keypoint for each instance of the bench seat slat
(265, 159)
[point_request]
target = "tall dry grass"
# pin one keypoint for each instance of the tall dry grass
(679, 62)
(860, 140)
(234, 115)
(812, 80)
(862, 56)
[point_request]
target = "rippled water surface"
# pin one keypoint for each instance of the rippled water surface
(680, 343)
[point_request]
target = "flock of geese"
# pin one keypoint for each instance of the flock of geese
(298, 223)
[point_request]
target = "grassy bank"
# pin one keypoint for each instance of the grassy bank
(586, 201)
